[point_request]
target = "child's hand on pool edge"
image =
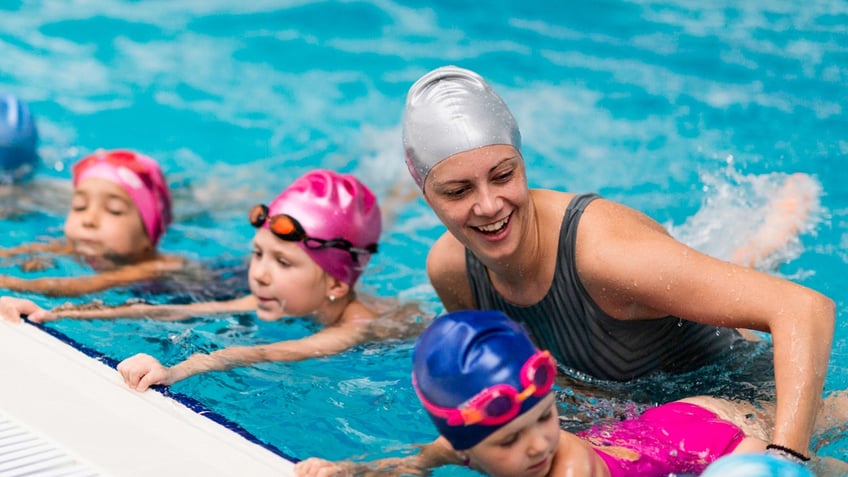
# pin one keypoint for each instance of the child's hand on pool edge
(315, 467)
(142, 371)
(11, 310)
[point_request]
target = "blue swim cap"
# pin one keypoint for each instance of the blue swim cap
(463, 353)
(755, 465)
(18, 140)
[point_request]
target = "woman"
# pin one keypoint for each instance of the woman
(605, 288)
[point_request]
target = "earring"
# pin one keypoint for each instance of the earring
(332, 298)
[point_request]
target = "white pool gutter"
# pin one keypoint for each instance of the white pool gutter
(63, 413)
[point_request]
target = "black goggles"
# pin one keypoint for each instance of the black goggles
(287, 228)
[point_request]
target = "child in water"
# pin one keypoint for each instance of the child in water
(311, 245)
(488, 390)
(119, 210)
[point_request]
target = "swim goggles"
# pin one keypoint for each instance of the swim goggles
(287, 228)
(499, 403)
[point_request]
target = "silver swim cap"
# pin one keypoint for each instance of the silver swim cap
(451, 110)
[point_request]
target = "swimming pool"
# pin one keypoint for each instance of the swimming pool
(672, 107)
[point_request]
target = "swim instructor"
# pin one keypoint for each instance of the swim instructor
(604, 287)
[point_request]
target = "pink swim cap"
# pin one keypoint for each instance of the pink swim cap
(330, 205)
(142, 179)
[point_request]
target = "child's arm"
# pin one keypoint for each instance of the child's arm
(12, 308)
(154, 312)
(430, 456)
(55, 246)
(75, 286)
(142, 371)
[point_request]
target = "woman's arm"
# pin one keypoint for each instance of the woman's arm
(142, 371)
(635, 270)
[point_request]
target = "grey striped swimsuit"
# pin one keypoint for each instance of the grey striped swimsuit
(585, 339)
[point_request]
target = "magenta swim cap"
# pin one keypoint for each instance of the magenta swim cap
(142, 179)
(330, 205)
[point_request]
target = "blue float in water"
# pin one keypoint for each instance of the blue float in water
(755, 465)
(18, 140)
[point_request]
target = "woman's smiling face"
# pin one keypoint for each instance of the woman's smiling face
(481, 196)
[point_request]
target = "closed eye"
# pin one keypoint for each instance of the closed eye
(546, 416)
(117, 206)
(508, 441)
(504, 177)
(456, 192)
(79, 203)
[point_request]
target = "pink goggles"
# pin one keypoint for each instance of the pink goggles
(499, 403)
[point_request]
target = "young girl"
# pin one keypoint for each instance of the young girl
(311, 245)
(487, 389)
(120, 208)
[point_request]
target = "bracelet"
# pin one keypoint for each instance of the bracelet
(787, 453)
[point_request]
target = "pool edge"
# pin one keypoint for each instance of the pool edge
(83, 406)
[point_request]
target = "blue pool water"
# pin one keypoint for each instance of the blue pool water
(691, 113)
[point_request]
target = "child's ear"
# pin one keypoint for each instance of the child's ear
(337, 289)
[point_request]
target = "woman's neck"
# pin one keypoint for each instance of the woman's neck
(525, 266)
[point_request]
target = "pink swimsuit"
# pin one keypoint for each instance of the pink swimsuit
(675, 438)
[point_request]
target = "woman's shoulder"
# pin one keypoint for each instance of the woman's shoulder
(609, 217)
(550, 197)
(550, 205)
(445, 252)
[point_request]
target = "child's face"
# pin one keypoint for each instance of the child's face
(103, 221)
(524, 447)
(284, 279)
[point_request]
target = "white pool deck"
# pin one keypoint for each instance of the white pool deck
(77, 411)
